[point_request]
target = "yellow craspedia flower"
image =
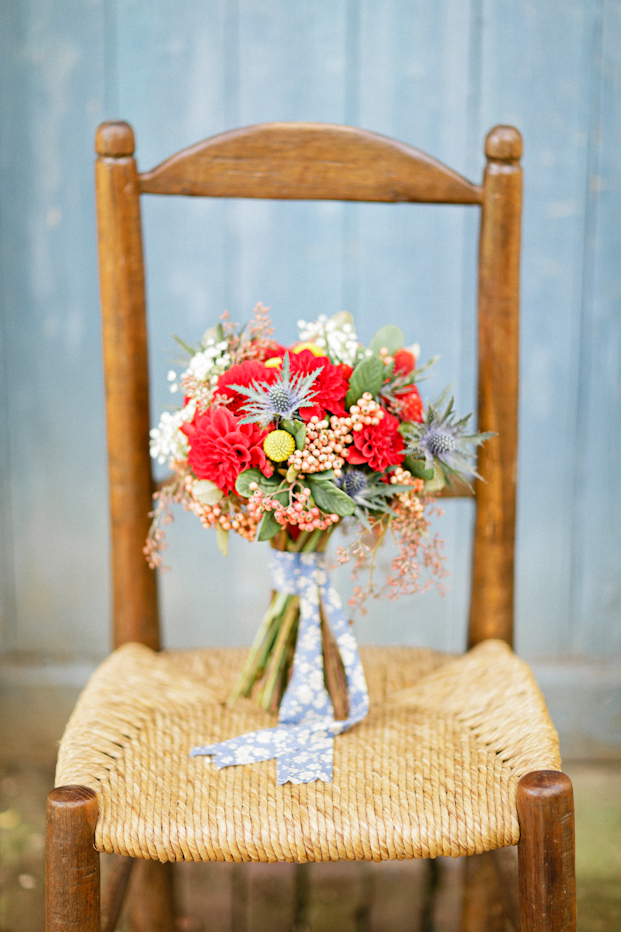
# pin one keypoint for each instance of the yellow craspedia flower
(279, 445)
(315, 350)
(274, 362)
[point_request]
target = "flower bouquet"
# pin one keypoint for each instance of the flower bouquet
(285, 444)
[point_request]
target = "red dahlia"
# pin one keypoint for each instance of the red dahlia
(330, 386)
(378, 445)
(410, 406)
(244, 374)
(221, 447)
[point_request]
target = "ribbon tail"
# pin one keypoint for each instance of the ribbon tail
(303, 740)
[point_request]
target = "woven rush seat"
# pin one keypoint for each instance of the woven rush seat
(431, 771)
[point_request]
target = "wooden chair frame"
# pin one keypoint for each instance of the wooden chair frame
(307, 161)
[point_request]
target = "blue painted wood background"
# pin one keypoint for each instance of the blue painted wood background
(436, 74)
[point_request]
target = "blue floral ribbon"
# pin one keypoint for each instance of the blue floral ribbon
(303, 740)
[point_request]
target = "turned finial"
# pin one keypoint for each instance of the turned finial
(115, 139)
(504, 143)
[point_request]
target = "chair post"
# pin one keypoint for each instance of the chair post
(72, 864)
(151, 898)
(545, 804)
(127, 383)
(491, 609)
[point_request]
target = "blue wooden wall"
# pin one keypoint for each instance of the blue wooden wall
(434, 73)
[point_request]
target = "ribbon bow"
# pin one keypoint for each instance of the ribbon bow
(303, 740)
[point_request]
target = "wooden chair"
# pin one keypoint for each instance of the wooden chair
(123, 776)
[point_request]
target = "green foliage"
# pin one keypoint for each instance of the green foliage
(418, 468)
(366, 377)
(207, 492)
(330, 499)
(297, 429)
(389, 336)
(186, 347)
(222, 538)
(269, 526)
(375, 495)
(242, 483)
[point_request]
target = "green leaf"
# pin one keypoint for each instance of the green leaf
(185, 346)
(366, 377)
(222, 538)
(364, 521)
(436, 484)
(207, 492)
(269, 526)
(330, 499)
(297, 429)
(389, 336)
(242, 483)
(417, 468)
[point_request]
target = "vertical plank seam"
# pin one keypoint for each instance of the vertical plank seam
(111, 60)
(576, 579)
(350, 266)
(232, 259)
(8, 610)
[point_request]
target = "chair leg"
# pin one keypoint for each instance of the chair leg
(483, 905)
(72, 864)
(150, 906)
(545, 805)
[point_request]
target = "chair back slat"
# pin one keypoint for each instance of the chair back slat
(308, 161)
(320, 162)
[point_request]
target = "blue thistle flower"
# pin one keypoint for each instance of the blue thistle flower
(354, 482)
(279, 399)
(445, 443)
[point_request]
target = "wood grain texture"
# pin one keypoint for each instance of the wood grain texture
(113, 893)
(491, 902)
(71, 862)
(308, 161)
(493, 582)
(150, 899)
(127, 383)
(546, 852)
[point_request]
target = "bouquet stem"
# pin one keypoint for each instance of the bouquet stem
(267, 669)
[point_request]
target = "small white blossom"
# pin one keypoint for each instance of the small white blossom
(167, 442)
(336, 334)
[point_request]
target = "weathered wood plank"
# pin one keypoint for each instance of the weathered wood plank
(52, 80)
(546, 49)
(596, 594)
(396, 259)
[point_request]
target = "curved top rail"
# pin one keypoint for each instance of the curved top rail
(304, 161)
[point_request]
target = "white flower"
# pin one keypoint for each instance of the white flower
(167, 442)
(337, 334)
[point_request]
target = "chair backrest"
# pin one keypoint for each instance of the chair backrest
(306, 161)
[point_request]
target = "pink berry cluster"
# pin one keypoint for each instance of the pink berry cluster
(298, 513)
(326, 441)
(402, 476)
(366, 412)
(242, 522)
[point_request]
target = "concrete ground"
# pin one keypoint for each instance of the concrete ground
(23, 789)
